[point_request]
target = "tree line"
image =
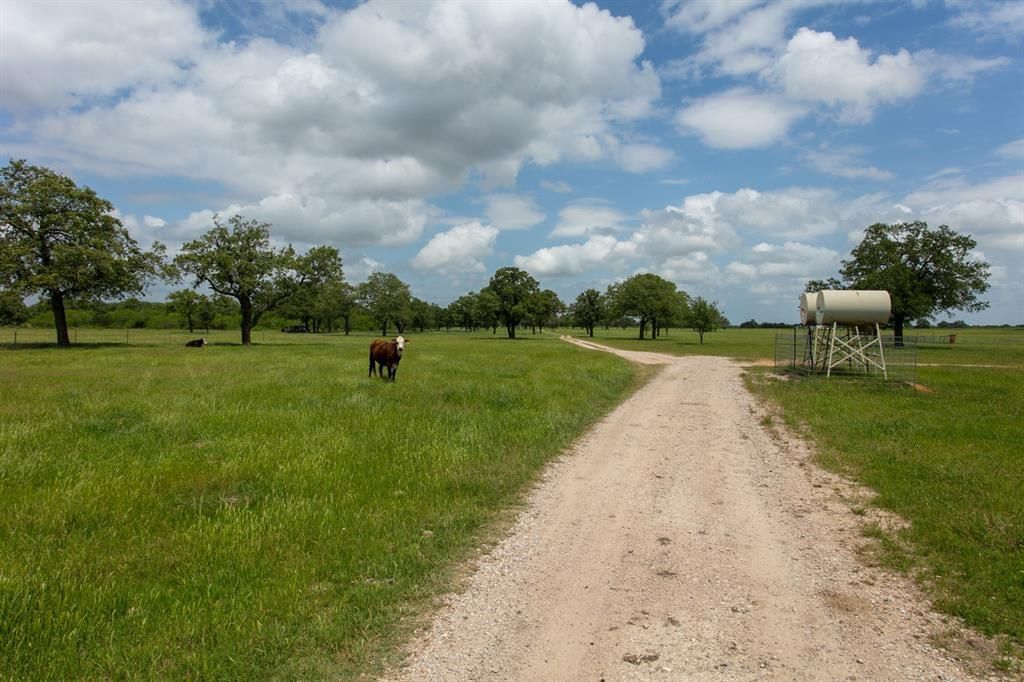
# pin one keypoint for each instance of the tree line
(63, 243)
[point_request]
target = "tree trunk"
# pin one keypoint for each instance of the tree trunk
(700, 333)
(384, 329)
(643, 328)
(60, 318)
(897, 329)
(348, 327)
(247, 322)
(590, 331)
(511, 330)
(188, 318)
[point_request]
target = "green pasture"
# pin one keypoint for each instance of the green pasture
(743, 344)
(260, 512)
(947, 457)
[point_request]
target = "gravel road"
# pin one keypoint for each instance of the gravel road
(681, 540)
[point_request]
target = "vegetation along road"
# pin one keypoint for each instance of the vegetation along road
(682, 539)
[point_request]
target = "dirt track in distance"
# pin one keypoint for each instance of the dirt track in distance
(680, 540)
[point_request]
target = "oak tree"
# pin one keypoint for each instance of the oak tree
(64, 242)
(237, 260)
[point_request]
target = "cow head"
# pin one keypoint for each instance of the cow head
(400, 344)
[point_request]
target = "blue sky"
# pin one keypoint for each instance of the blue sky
(736, 147)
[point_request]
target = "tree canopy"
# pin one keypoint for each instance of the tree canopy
(926, 271)
(387, 299)
(513, 288)
(704, 316)
(64, 242)
(237, 260)
(318, 298)
(589, 309)
(646, 297)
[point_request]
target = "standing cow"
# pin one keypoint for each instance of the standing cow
(388, 354)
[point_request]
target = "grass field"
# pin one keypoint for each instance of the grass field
(270, 512)
(265, 511)
(948, 459)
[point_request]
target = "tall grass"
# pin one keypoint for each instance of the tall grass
(947, 459)
(263, 511)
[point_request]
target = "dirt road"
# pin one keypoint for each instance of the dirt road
(680, 540)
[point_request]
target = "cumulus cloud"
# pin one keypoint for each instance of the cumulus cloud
(312, 219)
(572, 259)
(512, 212)
(460, 249)
(809, 71)
(682, 230)
(740, 118)
(691, 269)
(388, 103)
(65, 56)
(793, 261)
(818, 67)
(992, 211)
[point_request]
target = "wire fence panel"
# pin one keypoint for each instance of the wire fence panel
(802, 353)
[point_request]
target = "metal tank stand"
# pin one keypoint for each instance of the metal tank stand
(860, 351)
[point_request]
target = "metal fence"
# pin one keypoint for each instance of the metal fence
(797, 353)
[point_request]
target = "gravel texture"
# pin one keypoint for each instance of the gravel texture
(680, 539)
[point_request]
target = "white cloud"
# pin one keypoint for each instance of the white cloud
(1012, 150)
(700, 16)
(512, 212)
(993, 19)
(602, 251)
(844, 162)
(740, 38)
(991, 211)
(641, 158)
(559, 187)
(682, 230)
(957, 71)
(793, 262)
(390, 103)
(64, 55)
(817, 67)
(311, 219)
(361, 269)
(591, 217)
(691, 269)
(460, 249)
(740, 119)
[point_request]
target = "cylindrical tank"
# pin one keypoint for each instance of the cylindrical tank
(853, 307)
(808, 308)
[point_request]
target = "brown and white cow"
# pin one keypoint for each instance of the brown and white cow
(384, 353)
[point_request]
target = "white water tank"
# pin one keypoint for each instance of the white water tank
(853, 307)
(808, 307)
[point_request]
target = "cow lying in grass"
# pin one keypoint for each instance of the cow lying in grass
(388, 354)
(196, 343)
